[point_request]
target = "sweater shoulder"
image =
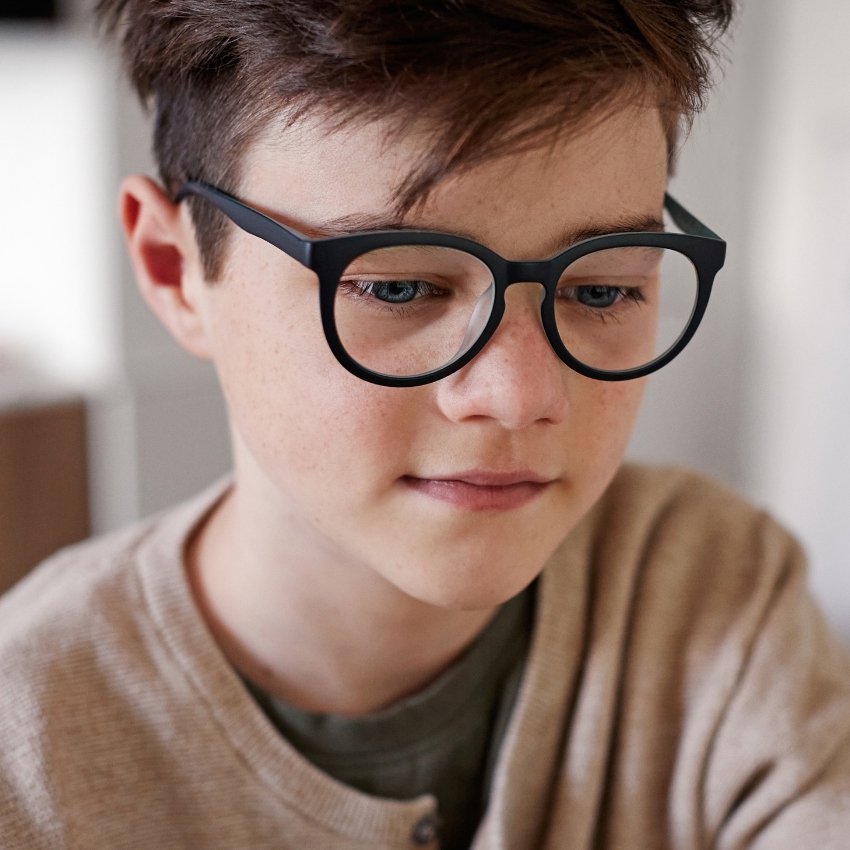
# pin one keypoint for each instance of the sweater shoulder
(59, 602)
(93, 589)
(662, 487)
(681, 505)
(66, 631)
(677, 548)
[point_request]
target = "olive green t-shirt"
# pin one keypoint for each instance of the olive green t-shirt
(441, 741)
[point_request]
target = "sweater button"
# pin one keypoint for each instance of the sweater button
(426, 830)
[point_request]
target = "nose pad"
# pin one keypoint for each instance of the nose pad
(478, 321)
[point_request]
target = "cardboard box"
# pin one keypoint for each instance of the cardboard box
(43, 484)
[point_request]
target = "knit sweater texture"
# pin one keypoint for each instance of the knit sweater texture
(682, 691)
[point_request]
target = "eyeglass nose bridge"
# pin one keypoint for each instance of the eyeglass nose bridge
(520, 271)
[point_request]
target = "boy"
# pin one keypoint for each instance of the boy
(430, 608)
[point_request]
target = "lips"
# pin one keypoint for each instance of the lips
(477, 490)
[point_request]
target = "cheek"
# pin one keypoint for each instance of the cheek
(311, 426)
(603, 416)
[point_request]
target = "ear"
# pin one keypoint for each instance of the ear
(166, 260)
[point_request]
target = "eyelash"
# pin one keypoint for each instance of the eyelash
(632, 293)
(359, 289)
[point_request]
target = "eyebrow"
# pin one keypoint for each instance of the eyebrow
(366, 222)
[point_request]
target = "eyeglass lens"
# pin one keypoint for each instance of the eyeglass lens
(406, 310)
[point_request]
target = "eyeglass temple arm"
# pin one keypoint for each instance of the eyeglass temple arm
(298, 247)
(685, 221)
(255, 223)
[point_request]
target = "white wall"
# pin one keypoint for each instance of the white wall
(799, 418)
(68, 304)
(59, 309)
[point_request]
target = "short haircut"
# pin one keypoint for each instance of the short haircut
(484, 76)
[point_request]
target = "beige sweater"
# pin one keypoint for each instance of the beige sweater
(682, 692)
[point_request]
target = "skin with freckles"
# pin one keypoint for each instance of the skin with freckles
(373, 531)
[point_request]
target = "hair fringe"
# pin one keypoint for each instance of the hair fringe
(488, 75)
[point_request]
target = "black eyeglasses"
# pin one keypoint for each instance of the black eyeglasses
(403, 308)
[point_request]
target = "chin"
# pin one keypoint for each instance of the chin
(466, 584)
(478, 562)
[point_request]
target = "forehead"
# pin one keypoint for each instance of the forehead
(328, 182)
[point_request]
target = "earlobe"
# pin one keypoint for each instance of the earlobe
(165, 260)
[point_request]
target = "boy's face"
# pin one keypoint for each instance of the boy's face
(458, 491)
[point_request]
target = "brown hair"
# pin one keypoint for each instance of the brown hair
(487, 76)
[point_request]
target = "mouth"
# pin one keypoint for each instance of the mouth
(478, 490)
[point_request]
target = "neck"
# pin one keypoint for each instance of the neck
(315, 628)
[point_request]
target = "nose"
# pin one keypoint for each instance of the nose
(517, 379)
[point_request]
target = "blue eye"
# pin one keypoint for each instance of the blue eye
(394, 291)
(598, 297)
(391, 291)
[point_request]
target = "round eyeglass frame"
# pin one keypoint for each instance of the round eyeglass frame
(329, 257)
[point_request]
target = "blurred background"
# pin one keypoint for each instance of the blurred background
(104, 420)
